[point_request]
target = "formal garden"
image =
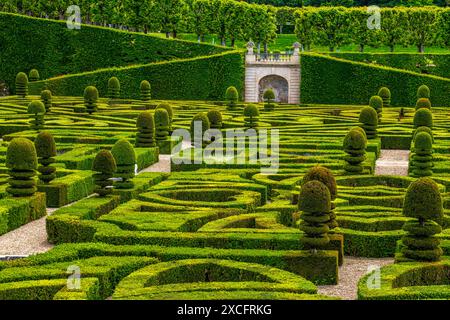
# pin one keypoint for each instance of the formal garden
(128, 169)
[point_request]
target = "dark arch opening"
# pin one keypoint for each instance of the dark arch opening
(278, 84)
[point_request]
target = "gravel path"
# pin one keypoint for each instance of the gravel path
(349, 274)
(163, 165)
(392, 162)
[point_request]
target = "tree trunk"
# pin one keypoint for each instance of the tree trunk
(331, 49)
(145, 29)
(199, 38)
(232, 42)
(167, 34)
(174, 34)
(266, 49)
(259, 47)
(281, 29)
(421, 48)
(391, 48)
(222, 41)
(361, 48)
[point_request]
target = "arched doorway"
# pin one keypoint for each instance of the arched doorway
(278, 84)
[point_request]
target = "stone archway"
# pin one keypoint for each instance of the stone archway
(278, 84)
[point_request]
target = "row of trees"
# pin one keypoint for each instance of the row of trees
(351, 3)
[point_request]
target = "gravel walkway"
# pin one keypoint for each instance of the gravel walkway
(163, 165)
(392, 162)
(349, 274)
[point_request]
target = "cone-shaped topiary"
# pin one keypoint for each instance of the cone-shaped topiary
(145, 137)
(21, 160)
(104, 166)
(113, 88)
(325, 176)
(46, 98)
(251, 116)
(423, 118)
(385, 94)
(33, 75)
(36, 109)
(421, 161)
(423, 103)
(423, 202)
(369, 122)
(355, 144)
(46, 151)
(232, 97)
(423, 92)
(376, 102)
(90, 99)
(162, 123)
(145, 90)
(269, 97)
(125, 157)
(199, 125)
(169, 110)
(215, 119)
(21, 84)
(315, 203)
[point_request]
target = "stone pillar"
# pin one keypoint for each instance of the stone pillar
(296, 55)
(250, 56)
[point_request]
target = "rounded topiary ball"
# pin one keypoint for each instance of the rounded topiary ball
(45, 145)
(33, 75)
(423, 141)
(215, 118)
(145, 120)
(21, 84)
(232, 94)
(145, 85)
(114, 83)
(46, 95)
(91, 93)
(368, 115)
(36, 107)
(423, 117)
(104, 162)
(376, 102)
(355, 139)
(384, 93)
(269, 95)
(251, 110)
(168, 108)
(423, 103)
(123, 153)
(201, 117)
(423, 200)
(423, 129)
(314, 197)
(323, 175)
(423, 92)
(21, 155)
(162, 118)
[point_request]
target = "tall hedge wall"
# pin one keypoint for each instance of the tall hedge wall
(337, 81)
(53, 49)
(201, 78)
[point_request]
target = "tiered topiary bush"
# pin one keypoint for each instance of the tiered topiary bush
(113, 88)
(423, 202)
(385, 94)
(145, 137)
(423, 103)
(46, 151)
(232, 97)
(125, 158)
(37, 111)
(421, 161)
(423, 118)
(199, 125)
(423, 129)
(315, 203)
(169, 110)
(376, 102)
(145, 90)
(33, 75)
(90, 99)
(325, 176)
(104, 166)
(269, 97)
(251, 116)
(162, 123)
(423, 92)
(46, 98)
(355, 143)
(21, 160)
(21, 84)
(369, 122)
(215, 119)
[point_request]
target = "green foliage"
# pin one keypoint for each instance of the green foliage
(199, 125)
(385, 94)
(113, 88)
(376, 102)
(423, 118)
(423, 92)
(125, 159)
(33, 75)
(169, 110)
(215, 119)
(423, 103)
(46, 151)
(369, 121)
(162, 124)
(90, 99)
(423, 129)
(105, 166)
(421, 161)
(355, 144)
(251, 115)
(21, 84)
(232, 96)
(46, 98)
(145, 88)
(145, 124)
(269, 97)
(36, 109)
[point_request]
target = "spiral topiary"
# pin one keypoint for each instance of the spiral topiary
(232, 97)
(46, 98)
(199, 121)
(376, 102)
(385, 94)
(251, 116)
(146, 89)
(145, 137)
(36, 109)
(113, 88)
(423, 103)
(424, 203)
(421, 161)
(269, 97)
(125, 158)
(90, 99)
(21, 84)
(169, 110)
(369, 122)
(325, 176)
(423, 118)
(104, 166)
(46, 151)
(162, 123)
(355, 144)
(315, 203)
(33, 75)
(21, 160)
(215, 119)
(423, 92)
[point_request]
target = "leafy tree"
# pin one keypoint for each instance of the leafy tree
(422, 26)
(167, 15)
(285, 16)
(200, 18)
(138, 13)
(394, 23)
(360, 33)
(304, 28)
